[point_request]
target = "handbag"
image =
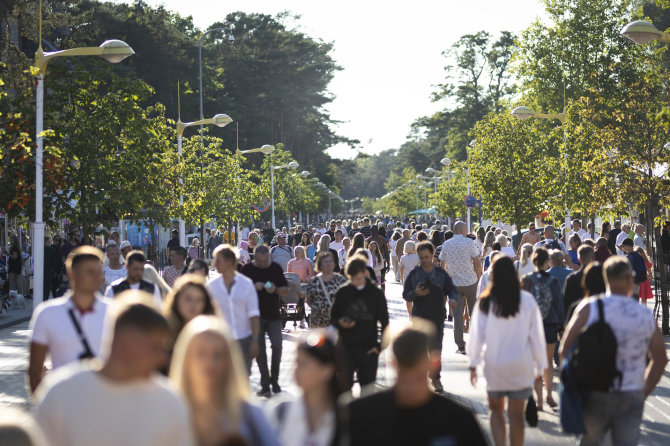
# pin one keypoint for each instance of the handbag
(531, 412)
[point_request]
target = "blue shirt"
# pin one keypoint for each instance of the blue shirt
(431, 306)
(560, 273)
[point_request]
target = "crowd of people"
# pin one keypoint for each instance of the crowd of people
(139, 357)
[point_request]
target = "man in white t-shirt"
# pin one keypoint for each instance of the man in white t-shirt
(620, 410)
(70, 328)
(244, 233)
(337, 244)
(577, 229)
(133, 280)
(623, 235)
(114, 269)
(124, 402)
(238, 300)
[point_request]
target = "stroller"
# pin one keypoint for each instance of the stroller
(293, 305)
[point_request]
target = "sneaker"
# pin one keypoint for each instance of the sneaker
(264, 392)
(276, 388)
(461, 351)
(437, 385)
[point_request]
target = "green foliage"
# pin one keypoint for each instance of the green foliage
(451, 191)
(509, 168)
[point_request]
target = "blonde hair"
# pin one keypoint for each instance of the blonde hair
(526, 251)
(502, 239)
(324, 243)
(409, 248)
(640, 250)
(234, 389)
(151, 275)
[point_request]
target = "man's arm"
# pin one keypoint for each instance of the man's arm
(282, 291)
(255, 330)
(659, 359)
(578, 321)
(477, 264)
(38, 353)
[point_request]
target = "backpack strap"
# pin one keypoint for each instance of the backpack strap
(601, 308)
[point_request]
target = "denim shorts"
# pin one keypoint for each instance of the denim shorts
(522, 394)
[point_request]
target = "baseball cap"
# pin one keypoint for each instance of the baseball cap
(125, 244)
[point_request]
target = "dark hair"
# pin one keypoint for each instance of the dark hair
(180, 251)
(593, 281)
(174, 231)
(496, 246)
(136, 256)
(317, 345)
(435, 238)
(140, 317)
(320, 258)
(356, 266)
(448, 235)
(261, 249)
(357, 243)
(396, 236)
(412, 345)
(481, 233)
(540, 257)
(585, 252)
(428, 246)
(198, 265)
(503, 292)
(421, 236)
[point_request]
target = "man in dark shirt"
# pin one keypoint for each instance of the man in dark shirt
(270, 283)
(426, 290)
(72, 242)
(173, 243)
(409, 413)
(268, 233)
(573, 284)
(637, 263)
(665, 238)
(331, 230)
(614, 233)
(358, 307)
(365, 229)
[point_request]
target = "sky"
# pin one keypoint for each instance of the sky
(390, 52)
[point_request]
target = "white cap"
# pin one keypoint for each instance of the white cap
(125, 244)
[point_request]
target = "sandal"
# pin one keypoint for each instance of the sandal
(553, 404)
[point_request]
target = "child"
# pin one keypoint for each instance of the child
(358, 307)
(645, 287)
(637, 262)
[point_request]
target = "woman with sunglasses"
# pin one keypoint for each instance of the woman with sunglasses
(311, 419)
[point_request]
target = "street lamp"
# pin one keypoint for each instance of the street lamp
(641, 31)
(113, 51)
(291, 165)
(522, 113)
(219, 120)
(265, 149)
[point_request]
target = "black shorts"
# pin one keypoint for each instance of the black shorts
(550, 334)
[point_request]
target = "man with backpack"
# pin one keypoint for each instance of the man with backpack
(637, 263)
(612, 337)
(281, 253)
(549, 242)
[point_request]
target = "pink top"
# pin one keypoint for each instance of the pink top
(303, 268)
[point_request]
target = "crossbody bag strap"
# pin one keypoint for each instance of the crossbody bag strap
(325, 290)
(80, 333)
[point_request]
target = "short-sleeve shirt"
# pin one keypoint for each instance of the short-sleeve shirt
(458, 253)
(268, 304)
(281, 255)
(237, 306)
(633, 325)
(52, 326)
(173, 243)
(431, 306)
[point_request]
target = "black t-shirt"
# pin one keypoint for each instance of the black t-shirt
(14, 265)
(377, 419)
(268, 304)
(173, 243)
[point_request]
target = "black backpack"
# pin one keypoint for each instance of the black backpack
(594, 358)
(551, 244)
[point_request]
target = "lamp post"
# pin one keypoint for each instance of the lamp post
(265, 149)
(641, 31)
(219, 120)
(113, 51)
(291, 165)
(231, 39)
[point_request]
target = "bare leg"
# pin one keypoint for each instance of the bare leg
(515, 410)
(538, 392)
(409, 309)
(549, 375)
(497, 421)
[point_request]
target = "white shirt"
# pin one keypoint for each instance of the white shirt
(157, 297)
(508, 251)
(619, 240)
(581, 233)
(112, 275)
(515, 346)
(244, 233)
(52, 326)
(545, 242)
(336, 245)
(522, 270)
(483, 282)
(294, 428)
(458, 253)
(639, 240)
(633, 325)
(408, 263)
(238, 306)
(587, 236)
(77, 406)
(392, 244)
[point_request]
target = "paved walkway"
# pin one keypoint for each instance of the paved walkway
(455, 377)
